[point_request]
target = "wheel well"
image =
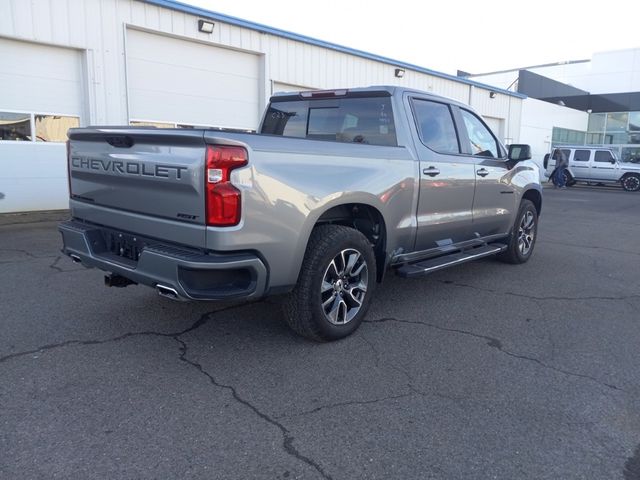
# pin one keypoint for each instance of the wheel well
(630, 174)
(366, 219)
(535, 197)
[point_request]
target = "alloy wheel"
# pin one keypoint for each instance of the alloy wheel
(526, 233)
(344, 286)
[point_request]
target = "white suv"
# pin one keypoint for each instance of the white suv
(595, 165)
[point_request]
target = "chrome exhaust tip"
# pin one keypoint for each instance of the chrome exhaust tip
(75, 258)
(167, 292)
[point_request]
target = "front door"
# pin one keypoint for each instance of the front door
(447, 178)
(604, 167)
(495, 203)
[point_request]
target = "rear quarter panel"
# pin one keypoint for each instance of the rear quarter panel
(289, 183)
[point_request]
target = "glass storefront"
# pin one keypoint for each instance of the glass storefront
(618, 131)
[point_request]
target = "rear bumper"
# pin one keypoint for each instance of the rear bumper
(192, 274)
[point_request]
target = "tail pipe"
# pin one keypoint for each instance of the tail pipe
(167, 292)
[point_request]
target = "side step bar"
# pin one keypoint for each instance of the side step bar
(425, 267)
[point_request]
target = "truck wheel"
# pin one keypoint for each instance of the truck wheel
(631, 183)
(335, 285)
(523, 236)
(568, 179)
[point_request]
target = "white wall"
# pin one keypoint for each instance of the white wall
(616, 71)
(97, 29)
(538, 120)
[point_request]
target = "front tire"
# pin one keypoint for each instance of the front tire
(523, 236)
(335, 285)
(631, 183)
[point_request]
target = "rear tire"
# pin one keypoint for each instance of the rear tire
(523, 235)
(335, 285)
(568, 179)
(631, 182)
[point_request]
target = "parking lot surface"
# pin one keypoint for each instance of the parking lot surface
(479, 372)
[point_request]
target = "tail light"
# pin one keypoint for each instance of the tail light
(69, 165)
(223, 200)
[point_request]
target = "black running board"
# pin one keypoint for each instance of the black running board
(431, 265)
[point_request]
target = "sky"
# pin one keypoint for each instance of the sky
(450, 35)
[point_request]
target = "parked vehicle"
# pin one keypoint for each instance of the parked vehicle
(596, 165)
(338, 187)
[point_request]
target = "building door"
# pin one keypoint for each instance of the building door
(183, 82)
(40, 99)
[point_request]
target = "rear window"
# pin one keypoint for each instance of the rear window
(367, 120)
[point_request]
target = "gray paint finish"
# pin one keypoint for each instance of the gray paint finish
(289, 183)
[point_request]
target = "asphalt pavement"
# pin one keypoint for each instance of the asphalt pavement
(483, 371)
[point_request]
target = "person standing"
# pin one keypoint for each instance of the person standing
(562, 162)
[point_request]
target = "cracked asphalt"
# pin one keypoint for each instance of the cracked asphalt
(479, 372)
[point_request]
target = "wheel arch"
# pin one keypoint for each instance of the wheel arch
(535, 196)
(362, 216)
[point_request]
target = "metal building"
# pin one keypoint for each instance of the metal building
(107, 62)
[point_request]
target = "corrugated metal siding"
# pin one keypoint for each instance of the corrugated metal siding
(98, 27)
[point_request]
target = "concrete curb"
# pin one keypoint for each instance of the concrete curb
(33, 217)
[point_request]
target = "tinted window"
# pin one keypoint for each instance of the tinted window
(581, 155)
(481, 141)
(366, 120)
(603, 156)
(435, 126)
(15, 126)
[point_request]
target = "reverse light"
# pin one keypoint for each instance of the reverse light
(223, 200)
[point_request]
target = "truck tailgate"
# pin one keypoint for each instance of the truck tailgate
(139, 179)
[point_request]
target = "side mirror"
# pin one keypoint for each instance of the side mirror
(613, 160)
(518, 152)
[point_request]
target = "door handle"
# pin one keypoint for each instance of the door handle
(483, 172)
(431, 171)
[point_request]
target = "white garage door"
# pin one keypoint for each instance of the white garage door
(184, 82)
(496, 125)
(40, 98)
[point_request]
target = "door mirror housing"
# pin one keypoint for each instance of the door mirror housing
(519, 152)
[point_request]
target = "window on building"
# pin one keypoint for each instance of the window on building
(15, 127)
(53, 128)
(634, 121)
(631, 154)
(568, 136)
(435, 126)
(367, 120)
(603, 156)
(617, 122)
(581, 155)
(594, 138)
(616, 138)
(596, 122)
(482, 142)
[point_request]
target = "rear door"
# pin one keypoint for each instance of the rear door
(447, 179)
(495, 199)
(579, 164)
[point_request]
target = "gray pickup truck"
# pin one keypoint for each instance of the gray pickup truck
(337, 188)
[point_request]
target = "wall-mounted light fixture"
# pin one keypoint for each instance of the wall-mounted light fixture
(205, 26)
(399, 72)
(492, 94)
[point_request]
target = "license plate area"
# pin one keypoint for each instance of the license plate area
(123, 245)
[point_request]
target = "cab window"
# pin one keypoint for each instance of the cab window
(481, 141)
(435, 126)
(604, 156)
